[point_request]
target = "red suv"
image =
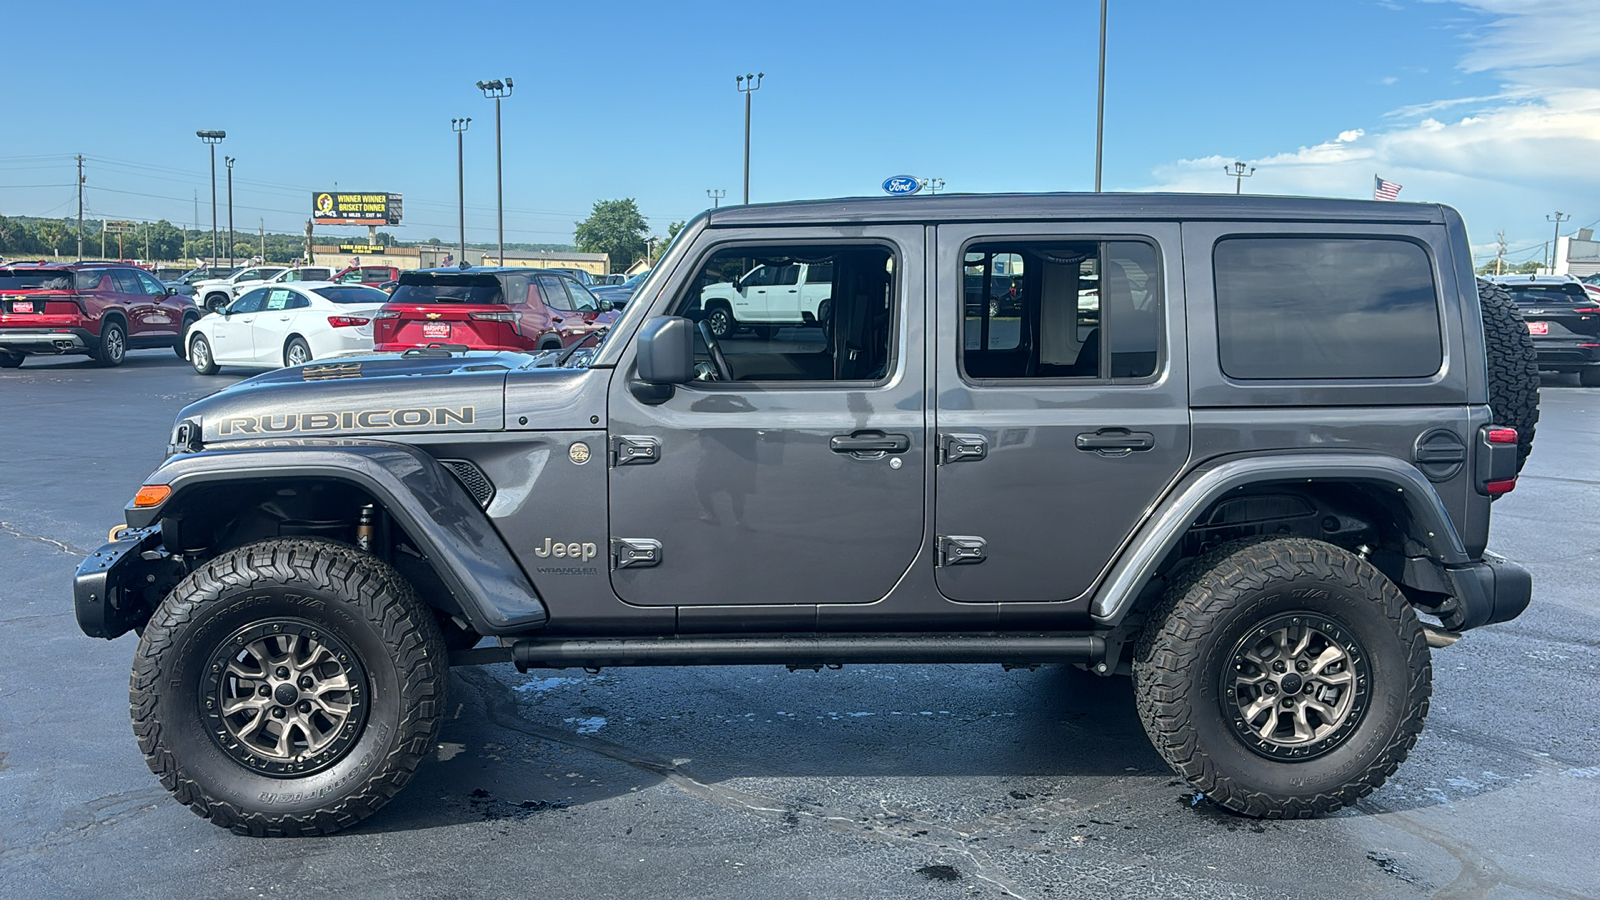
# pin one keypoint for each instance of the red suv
(102, 310)
(489, 309)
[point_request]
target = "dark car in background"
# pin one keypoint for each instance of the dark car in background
(101, 310)
(371, 276)
(1564, 320)
(489, 308)
(620, 293)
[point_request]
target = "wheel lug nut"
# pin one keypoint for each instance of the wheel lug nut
(304, 707)
(277, 712)
(1271, 688)
(283, 672)
(305, 682)
(1302, 666)
(1277, 666)
(1287, 703)
(264, 691)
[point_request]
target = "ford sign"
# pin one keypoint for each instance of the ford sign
(902, 185)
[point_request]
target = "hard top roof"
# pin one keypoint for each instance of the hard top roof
(1069, 206)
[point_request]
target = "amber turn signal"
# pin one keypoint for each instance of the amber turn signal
(152, 495)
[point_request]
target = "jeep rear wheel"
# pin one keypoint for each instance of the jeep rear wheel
(1513, 365)
(1283, 678)
(288, 687)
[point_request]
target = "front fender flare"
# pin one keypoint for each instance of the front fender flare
(1172, 517)
(425, 499)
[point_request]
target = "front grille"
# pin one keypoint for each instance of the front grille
(471, 478)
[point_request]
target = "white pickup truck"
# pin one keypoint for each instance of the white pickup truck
(214, 294)
(769, 296)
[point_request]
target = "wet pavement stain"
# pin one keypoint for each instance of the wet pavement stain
(940, 873)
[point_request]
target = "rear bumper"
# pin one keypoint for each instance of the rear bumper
(1483, 593)
(48, 340)
(1565, 353)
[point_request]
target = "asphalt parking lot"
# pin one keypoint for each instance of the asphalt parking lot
(751, 782)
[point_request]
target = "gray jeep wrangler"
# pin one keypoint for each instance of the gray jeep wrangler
(1242, 449)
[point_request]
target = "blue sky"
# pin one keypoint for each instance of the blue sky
(1492, 106)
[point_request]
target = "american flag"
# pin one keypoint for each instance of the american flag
(1384, 190)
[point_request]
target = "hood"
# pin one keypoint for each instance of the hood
(372, 396)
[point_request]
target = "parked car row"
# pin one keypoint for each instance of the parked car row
(1564, 318)
(100, 310)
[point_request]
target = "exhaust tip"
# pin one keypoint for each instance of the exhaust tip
(1439, 637)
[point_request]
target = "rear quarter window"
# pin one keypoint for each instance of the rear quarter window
(1326, 308)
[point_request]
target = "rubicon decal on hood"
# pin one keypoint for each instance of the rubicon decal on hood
(347, 420)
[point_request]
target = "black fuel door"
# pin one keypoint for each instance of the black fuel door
(1440, 454)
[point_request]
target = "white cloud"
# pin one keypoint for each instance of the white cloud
(1504, 161)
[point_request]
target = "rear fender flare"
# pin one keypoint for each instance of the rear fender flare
(425, 499)
(1166, 526)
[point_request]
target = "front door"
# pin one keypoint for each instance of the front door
(1062, 415)
(792, 472)
(233, 334)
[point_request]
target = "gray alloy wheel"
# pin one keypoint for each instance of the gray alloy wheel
(720, 321)
(113, 344)
(201, 357)
(1296, 686)
(296, 353)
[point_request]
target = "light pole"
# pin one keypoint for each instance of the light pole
(934, 185)
(716, 196)
(1558, 219)
(498, 90)
(1239, 175)
(229, 161)
(459, 126)
(1100, 109)
(747, 85)
(213, 138)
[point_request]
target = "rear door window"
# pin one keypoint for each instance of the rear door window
(250, 302)
(126, 282)
(1326, 308)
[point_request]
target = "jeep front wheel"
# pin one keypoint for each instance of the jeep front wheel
(289, 687)
(1284, 678)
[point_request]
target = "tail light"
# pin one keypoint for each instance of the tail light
(1502, 435)
(1588, 309)
(388, 314)
(509, 316)
(346, 321)
(1497, 461)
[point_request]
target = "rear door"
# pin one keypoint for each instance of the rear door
(276, 322)
(1061, 421)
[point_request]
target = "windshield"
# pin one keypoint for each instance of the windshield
(634, 281)
(447, 288)
(351, 294)
(24, 280)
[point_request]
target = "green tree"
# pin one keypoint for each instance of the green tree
(55, 237)
(614, 227)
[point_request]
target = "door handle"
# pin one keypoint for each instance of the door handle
(283, 318)
(1114, 440)
(870, 442)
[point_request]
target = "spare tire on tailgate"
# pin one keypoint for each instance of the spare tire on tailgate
(1513, 365)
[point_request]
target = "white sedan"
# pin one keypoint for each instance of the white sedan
(285, 325)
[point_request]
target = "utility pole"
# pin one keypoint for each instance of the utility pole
(263, 227)
(1100, 109)
(1239, 175)
(716, 196)
(80, 207)
(229, 161)
(497, 91)
(1558, 219)
(196, 226)
(213, 138)
(459, 126)
(102, 238)
(747, 85)
(1500, 254)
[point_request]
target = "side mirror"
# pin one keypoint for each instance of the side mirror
(604, 305)
(168, 291)
(665, 357)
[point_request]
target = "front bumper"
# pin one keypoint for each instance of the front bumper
(1483, 593)
(118, 586)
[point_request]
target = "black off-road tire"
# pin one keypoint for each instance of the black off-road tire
(347, 598)
(1184, 661)
(1513, 365)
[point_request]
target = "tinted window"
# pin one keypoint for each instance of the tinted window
(447, 288)
(126, 282)
(351, 294)
(89, 279)
(250, 302)
(581, 298)
(1548, 293)
(45, 281)
(150, 285)
(554, 292)
(836, 332)
(1061, 309)
(820, 273)
(1326, 308)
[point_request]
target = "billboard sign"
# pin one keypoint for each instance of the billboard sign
(355, 208)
